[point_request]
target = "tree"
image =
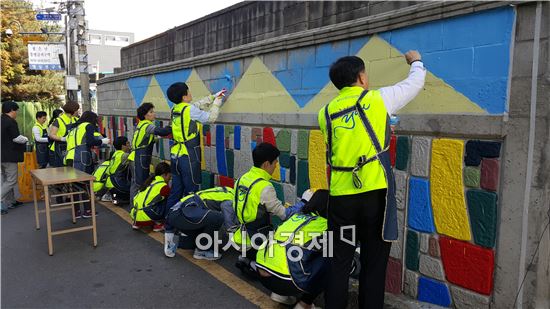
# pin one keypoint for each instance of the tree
(18, 82)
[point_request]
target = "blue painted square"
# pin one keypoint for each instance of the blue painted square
(493, 26)
(326, 54)
(301, 58)
(138, 87)
(434, 292)
(283, 174)
(355, 45)
(291, 79)
(459, 32)
(491, 61)
(316, 78)
(420, 215)
(220, 150)
(425, 37)
(461, 65)
(237, 138)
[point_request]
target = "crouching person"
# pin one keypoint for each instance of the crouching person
(292, 263)
(149, 205)
(118, 173)
(196, 214)
(100, 175)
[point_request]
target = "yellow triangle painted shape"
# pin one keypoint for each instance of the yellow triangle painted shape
(259, 91)
(196, 86)
(155, 95)
(385, 66)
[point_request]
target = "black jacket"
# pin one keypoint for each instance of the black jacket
(11, 151)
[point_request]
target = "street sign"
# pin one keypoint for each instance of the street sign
(45, 55)
(48, 16)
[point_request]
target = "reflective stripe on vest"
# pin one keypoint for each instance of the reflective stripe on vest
(76, 137)
(349, 171)
(141, 138)
(183, 128)
(44, 131)
(218, 194)
(146, 198)
(298, 230)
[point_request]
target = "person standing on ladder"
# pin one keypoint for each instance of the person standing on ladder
(356, 127)
(185, 153)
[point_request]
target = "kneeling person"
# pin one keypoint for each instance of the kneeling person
(118, 174)
(195, 214)
(149, 205)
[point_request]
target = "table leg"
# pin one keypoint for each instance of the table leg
(48, 219)
(35, 203)
(92, 202)
(72, 203)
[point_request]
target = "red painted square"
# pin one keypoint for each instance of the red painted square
(467, 265)
(489, 174)
(393, 276)
(269, 136)
(227, 181)
(393, 143)
(208, 138)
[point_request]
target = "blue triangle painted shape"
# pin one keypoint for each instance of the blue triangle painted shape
(138, 87)
(168, 78)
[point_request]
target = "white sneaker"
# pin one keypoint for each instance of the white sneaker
(287, 300)
(107, 197)
(206, 255)
(170, 244)
(299, 306)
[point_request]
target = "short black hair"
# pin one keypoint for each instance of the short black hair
(9, 106)
(88, 116)
(143, 109)
(264, 152)
(41, 114)
(176, 91)
(344, 72)
(119, 142)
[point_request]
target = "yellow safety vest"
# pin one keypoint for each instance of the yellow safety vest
(247, 200)
(183, 128)
(114, 167)
(355, 167)
(63, 120)
(43, 129)
(298, 230)
(100, 174)
(218, 194)
(75, 138)
(146, 198)
(141, 138)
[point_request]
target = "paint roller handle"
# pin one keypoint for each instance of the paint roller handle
(412, 56)
(220, 93)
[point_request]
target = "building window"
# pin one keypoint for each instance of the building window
(117, 40)
(94, 39)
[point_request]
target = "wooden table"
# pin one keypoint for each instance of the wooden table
(56, 176)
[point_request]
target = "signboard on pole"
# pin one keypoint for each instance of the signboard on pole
(45, 55)
(49, 16)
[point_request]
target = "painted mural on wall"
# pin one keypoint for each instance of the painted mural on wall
(467, 58)
(447, 193)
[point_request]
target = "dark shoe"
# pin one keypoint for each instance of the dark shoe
(88, 214)
(17, 203)
(78, 214)
(4, 212)
(246, 269)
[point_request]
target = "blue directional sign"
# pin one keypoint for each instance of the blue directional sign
(48, 16)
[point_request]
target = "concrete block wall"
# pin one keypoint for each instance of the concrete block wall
(459, 152)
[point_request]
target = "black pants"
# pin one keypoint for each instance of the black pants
(366, 212)
(286, 288)
(211, 223)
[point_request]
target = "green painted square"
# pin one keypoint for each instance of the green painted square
(482, 207)
(230, 159)
(303, 144)
(402, 153)
(283, 140)
(411, 252)
(284, 159)
(207, 180)
(302, 183)
(472, 176)
(279, 190)
(228, 130)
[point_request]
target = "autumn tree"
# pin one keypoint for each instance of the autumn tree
(18, 82)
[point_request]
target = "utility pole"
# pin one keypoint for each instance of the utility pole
(77, 51)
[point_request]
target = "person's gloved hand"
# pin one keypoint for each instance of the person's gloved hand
(63, 138)
(220, 93)
(105, 141)
(296, 208)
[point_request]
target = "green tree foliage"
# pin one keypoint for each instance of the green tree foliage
(18, 82)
